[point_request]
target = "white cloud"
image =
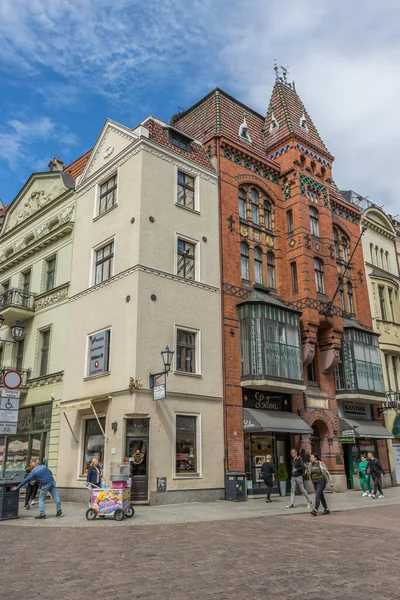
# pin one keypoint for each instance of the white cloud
(343, 56)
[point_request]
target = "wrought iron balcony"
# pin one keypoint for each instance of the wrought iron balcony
(16, 305)
(25, 374)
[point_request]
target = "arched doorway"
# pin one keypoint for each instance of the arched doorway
(319, 435)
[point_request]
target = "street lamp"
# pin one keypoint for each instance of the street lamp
(392, 402)
(167, 355)
(17, 331)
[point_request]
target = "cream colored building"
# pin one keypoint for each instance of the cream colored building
(35, 260)
(379, 247)
(145, 275)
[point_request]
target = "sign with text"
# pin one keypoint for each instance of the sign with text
(98, 359)
(347, 439)
(159, 392)
(80, 405)
(9, 408)
(161, 484)
(265, 400)
(356, 410)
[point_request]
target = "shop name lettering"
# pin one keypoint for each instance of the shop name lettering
(108, 505)
(264, 402)
(354, 408)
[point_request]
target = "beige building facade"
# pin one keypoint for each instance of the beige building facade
(145, 275)
(382, 268)
(35, 260)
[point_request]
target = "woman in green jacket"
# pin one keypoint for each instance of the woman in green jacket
(365, 480)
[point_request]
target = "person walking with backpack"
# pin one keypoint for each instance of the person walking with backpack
(365, 479)
(319, 476)
(297, 480)
(375, 469)
(267, 473)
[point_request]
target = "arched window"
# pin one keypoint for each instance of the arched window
(257, 265)
(244, 260)
(345, 249)
(382, 263)
(350, 300)
(242, 204)
(319, 276)
(255, 213)
(267, 215)
(341, 297)
(371, 251)
(314, 222)
(336, 242)
(271, 270)
(377, 256)
(387, 261)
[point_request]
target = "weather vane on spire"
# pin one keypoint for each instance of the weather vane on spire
(281, 74)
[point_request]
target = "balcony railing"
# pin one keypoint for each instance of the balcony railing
(25, 374)
(15, 298)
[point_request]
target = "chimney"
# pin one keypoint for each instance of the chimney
(56, 164)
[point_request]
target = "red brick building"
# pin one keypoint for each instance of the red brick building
(299, 352)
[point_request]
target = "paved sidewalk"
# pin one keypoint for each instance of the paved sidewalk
(196, 512)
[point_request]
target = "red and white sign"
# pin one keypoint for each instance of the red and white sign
(12, 380)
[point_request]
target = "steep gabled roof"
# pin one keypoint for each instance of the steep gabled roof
(76, 168)
(288, 110)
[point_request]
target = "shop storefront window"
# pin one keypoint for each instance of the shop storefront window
(186, 445)
(93, 443)
(32, 438)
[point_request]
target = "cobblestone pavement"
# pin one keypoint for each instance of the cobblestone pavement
(351, 554)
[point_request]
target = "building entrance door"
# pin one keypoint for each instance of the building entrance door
(137, 451)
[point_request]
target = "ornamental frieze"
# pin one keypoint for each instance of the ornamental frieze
(52, 297)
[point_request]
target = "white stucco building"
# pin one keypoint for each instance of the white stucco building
(145, 275)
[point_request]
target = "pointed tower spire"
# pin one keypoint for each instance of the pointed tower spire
(287, 118)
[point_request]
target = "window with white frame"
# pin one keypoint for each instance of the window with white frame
(93, 443)
(186, 259)
(244, 260)
(258, 265)
(98, 353)
(107, 195)
(186, 190)
(44, 351)
(103, 263)
(314, 225)
(319, 276)
(186, 350)
(186, 445)
(50, 273)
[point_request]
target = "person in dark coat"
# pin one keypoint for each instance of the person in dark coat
(375, 469)
(31, 490)
(94, 474)
(267, 473)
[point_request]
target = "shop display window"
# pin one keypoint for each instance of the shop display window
(93, 443)
(186, 453)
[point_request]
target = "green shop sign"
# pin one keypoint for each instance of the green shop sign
(347, 439)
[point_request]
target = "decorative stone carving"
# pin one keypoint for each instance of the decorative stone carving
(37, 199)
(329, 359)
(51, 298)
(375, 300)
(308, 353)
(46, 380)
(269, 241)
(244, 231)
(257, 236)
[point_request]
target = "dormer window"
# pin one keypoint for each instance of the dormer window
(180, 141)
(303, 122)
(274, 123)
(244, 131)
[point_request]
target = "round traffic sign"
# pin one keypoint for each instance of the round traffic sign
(12, 380)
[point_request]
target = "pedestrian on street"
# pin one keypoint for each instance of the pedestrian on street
(297, 479)
(94, 473)
(365, 479)
(376, 470)
(31, 490)
(267, 473)
(319, 476)
(44, 476)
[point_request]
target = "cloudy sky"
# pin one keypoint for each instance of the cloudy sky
(67, 66)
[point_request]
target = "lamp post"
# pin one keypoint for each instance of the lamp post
(392, 402)
(17, 331)
(167, 355)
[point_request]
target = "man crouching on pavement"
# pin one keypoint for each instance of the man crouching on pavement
(43, 475)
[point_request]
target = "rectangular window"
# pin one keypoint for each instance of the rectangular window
(311, 372)
(93, 443)
(50, 273)
(395, 377)
(44, 351)
(185, 190)
(186, 351)
(295, 284)
(5, 286)
(186, 259)
(26, 282)
(108, 195)
(186, 448)
(104, 260)
(179, 141)
(20, 355)
(382, 302)
(290, 224)
(390, 291)
(388, 371)
(99, 353)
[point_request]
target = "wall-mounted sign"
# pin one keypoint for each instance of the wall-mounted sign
(9, 407)
(161, 484)
(98, 359)
(12, 380)
(265, 400)
(356, 410)
(79, 405)
(347, 439)
(159, 392)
